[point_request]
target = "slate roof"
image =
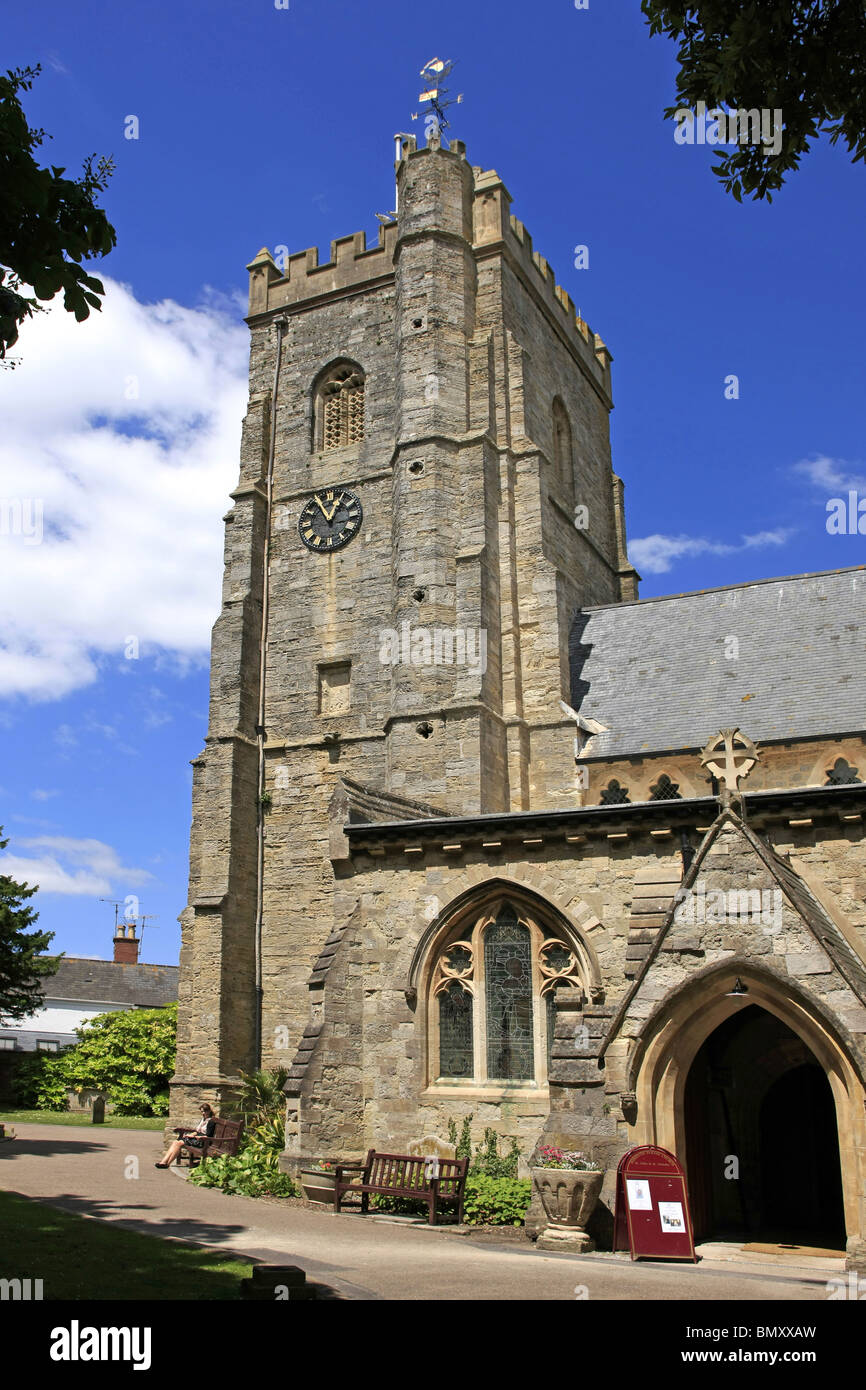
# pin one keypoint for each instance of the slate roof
(655, 672)
(104, 981)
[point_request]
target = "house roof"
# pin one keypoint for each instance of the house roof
(106, 981)
(658, 675)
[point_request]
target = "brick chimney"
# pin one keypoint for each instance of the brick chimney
(126, 945)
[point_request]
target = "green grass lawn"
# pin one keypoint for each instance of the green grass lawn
(78, 1258)
(82, 1117)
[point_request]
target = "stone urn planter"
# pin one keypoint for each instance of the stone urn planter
(569, 1197)
(318, 1185)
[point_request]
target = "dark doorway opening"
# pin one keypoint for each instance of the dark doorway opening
(762, 1147)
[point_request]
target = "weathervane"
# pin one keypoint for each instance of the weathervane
(720, 758)
(436, 97)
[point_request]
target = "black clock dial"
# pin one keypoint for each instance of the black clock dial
(330, 519)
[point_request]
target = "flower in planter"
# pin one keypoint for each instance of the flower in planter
(551, 1157)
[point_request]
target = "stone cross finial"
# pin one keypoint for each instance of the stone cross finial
(729, 756)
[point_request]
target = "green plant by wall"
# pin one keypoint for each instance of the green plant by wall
(496, 1201)
(487, 1201)
(247, 1174)
(262, 1097)
(488, 1160)
(254, 1171)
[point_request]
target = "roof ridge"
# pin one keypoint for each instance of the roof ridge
(724, 588)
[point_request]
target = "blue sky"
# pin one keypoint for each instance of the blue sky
(265, 126)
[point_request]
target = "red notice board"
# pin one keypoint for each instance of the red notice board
(652, 1206)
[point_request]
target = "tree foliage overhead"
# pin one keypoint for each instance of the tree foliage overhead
(806, 58)
(23, 964)
(48, 224)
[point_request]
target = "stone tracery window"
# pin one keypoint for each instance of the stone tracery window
(340, 407)
(665, 790)
(492, 1013)
(841, 774)
(614, 794)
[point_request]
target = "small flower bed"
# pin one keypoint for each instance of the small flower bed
(551, 1157)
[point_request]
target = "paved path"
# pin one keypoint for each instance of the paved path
(84, 1171)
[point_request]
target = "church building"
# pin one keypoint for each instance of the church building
(477, 831)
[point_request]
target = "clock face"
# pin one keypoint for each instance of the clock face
(330, 519)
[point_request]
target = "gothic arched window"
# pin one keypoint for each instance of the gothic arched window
(665, 790)
(339, 407)
(614, 794)
(563, 461)
(841, 774)
(491, 1000)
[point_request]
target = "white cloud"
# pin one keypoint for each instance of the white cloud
(656, 554)
(125, 429)
(44, 793)
(831, 475)
(71, 867)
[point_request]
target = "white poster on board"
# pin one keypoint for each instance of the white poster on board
(672, 1219)
(639, 1197)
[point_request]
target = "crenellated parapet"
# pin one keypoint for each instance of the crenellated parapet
(496, 228)
(354, 266)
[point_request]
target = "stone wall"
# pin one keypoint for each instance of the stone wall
(464, 339)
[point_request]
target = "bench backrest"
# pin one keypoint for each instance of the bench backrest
(226, 1137)
(415, 1173)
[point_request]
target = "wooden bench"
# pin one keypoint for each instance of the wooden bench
(225, 1140)
(437, 1181)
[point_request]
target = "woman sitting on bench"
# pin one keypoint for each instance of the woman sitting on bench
(190, 1138)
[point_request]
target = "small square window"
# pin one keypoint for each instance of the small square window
(47, 1045)
(7, 1044)
(335, 688)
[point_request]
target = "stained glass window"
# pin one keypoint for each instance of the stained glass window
(455, 1031)
(557, 958)
(508, 978)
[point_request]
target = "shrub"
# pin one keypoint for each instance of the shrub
(262, 1097)
(248, 1174)
(496, 1201)
(128, 1055)
(39, 1082)
(488, 1201)
(490, 1163)
(254, 1171)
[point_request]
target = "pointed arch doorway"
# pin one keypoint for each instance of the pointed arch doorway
(762, 1148)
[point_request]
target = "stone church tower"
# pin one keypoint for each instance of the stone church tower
(444, 381)
(452, 795)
